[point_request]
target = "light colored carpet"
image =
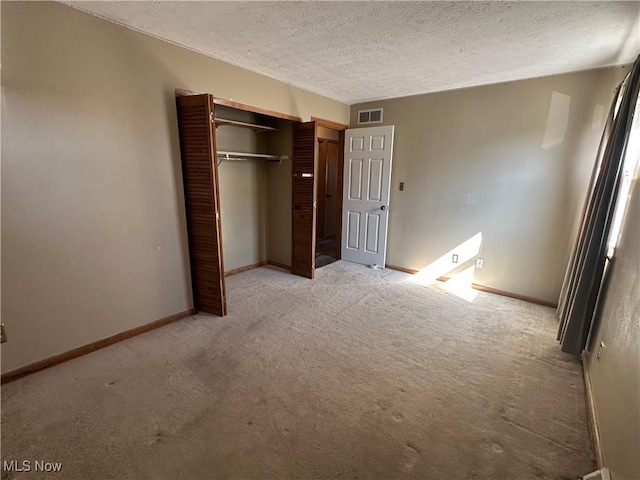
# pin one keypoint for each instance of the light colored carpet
(359, 374)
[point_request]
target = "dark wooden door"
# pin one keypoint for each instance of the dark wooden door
(202, 201)
(322, 185)
(303, 199)
(327, 212)
(331, 195)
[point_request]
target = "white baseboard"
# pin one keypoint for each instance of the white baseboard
(602, 474)
(591, 415)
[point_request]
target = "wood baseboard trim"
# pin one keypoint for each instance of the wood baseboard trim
(401, 269)
(279, 265)
(517, 296)
(92, 347)
(484, 288)
(246, 268)
(594, 432)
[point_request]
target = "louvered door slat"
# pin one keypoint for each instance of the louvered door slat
(303, 197)
(202, 201)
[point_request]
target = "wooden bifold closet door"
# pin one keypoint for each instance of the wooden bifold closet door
(303, 199)
(202, 201)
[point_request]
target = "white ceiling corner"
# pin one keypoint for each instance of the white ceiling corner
(357, 51)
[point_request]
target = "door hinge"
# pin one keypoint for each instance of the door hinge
(218, 216)
(213, 117)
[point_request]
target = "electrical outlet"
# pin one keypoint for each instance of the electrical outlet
(479, 263)
(3, 334)
(402, 186)
(454, 258)
(600, 351)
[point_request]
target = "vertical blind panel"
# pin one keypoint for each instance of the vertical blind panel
(582, 284)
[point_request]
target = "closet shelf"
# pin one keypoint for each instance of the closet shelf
(239, 156)
(253, 126)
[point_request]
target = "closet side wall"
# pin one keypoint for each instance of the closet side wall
(243, 194)
(243, 209)
(279, 198)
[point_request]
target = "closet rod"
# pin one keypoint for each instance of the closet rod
(235, 156)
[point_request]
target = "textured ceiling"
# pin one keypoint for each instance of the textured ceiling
(358, 51)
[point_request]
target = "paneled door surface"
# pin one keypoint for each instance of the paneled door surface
(303, 199)
(366, 188)
(329, 165)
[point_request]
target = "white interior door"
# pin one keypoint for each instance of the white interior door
(367, 184)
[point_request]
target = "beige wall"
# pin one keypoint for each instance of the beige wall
(255, 195)
(243, 193)
(93, 228)
(615, 378)
(279, 195)
(510, 162)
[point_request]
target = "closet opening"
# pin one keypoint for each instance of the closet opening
(329, 199)
(236, 170)
(254, 164)
(261, 188)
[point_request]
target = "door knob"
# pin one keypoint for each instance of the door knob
(383, 207)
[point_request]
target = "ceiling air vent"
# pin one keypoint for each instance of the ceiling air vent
(370, 116)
